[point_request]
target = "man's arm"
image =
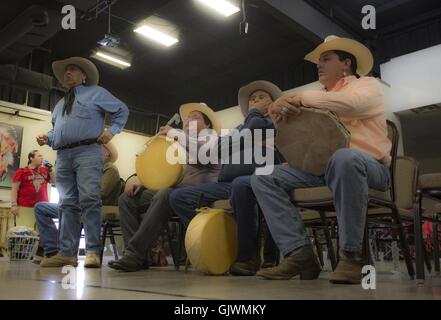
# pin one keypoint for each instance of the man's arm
(362, 102)
(118, 110)
(14, 194)
(256, 120)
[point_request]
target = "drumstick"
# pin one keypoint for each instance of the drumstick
(175, 119)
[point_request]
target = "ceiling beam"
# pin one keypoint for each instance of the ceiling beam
(390, 5)
(306, 20)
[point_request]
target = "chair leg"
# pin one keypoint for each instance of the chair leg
(427, 260)
(170, 243)
(436, 247)
(113, 242)
(419, 242)
(331, 251)
(103, 239)
(180, 238)
(404, 242)
(366, 246)
(318, 247)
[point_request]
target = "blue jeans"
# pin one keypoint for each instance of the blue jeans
(184, 202)
(45, 212)
(79, 172)
(349, 175)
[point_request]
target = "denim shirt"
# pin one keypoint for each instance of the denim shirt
(86, 120)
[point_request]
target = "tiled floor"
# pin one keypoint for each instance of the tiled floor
(24, 280)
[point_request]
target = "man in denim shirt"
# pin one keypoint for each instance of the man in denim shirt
(78, 131)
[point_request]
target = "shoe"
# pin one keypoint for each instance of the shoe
(245, 268)
(39, 255)
(37, 259)
(303, 262)
(58, 261)
(145, 265)
(348, 270)
(92, 260)
(126, 263)
(268, 264)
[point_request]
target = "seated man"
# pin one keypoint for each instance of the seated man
(350, 171)
(143, 212)
(234, 181)
(46, 212)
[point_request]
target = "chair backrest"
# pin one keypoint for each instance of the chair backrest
(122, 184)
(406, 180)
(394, 136)
(129, 181)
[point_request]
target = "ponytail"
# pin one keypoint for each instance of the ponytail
(31, 155)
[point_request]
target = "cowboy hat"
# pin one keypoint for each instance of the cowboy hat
(89, 68)
(362, 54)
(185, 110)
(245, 92)
(112, 150)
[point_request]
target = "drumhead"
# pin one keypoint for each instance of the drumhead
(307, 141)
(153, 169)
(211, 241)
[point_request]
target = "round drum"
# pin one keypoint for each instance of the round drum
(152, 167)
(211, 241)
(308, 140)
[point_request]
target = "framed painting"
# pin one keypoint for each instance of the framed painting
(10, 151)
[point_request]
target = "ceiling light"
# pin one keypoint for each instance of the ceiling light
(156, 35)
(222, 6)
(115, 61)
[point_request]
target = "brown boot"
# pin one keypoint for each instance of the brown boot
(348, 270)
(245, 268)
(58, 261)
(303, 262)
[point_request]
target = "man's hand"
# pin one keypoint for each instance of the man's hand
(105, 137)
(164, 130)
(14, 211)
(134, 189)
(286, 106)
(42, 139)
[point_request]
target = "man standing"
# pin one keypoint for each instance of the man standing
(78, 131)
(46, 212)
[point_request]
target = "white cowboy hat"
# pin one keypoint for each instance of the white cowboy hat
(112, 150)
(362, 54)
(245, 92)
(185, 110)
(89, 68)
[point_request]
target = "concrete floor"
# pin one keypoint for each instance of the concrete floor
(25, 280)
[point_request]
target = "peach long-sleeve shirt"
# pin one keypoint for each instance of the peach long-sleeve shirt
(360, 105)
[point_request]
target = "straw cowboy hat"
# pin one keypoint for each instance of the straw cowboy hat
(245, 92)
(185, 110)
(89, 68)
(112, 150)
(362, 54)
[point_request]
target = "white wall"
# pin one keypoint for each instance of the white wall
(414, 79)
(31, 128)
(127, 143)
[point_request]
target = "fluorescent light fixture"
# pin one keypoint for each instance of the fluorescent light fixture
(105, 57)
(222, 6)
(156, 35)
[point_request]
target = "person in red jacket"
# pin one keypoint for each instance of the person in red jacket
(29, 186)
